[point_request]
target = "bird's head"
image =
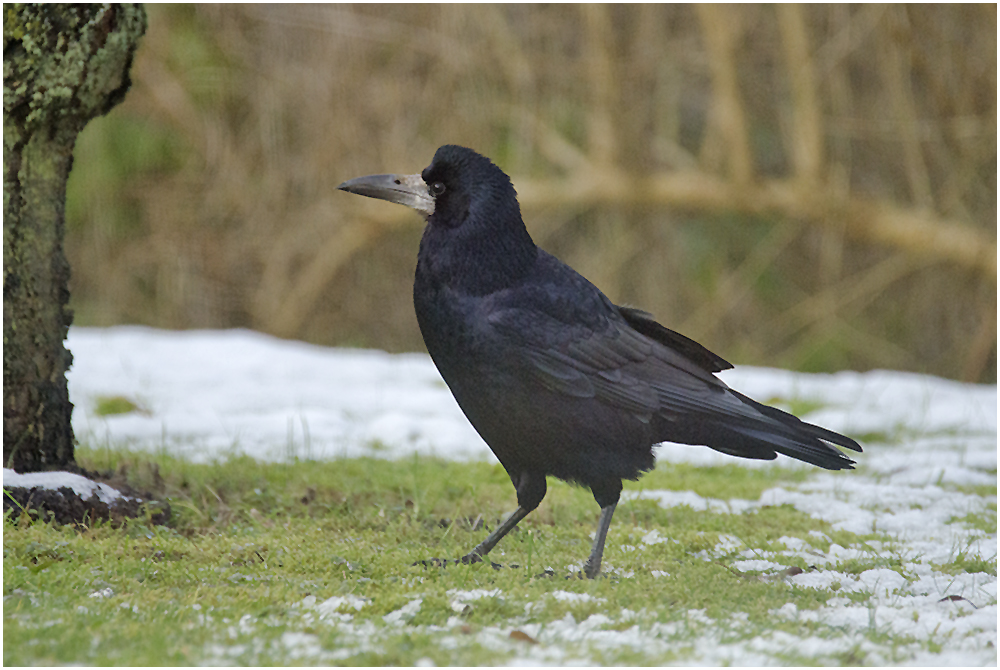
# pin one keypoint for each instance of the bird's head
(457, 185)
(475, 240)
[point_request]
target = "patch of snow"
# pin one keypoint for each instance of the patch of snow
(756, 564)
(209, 393)
(569, 596)
(876, 401)
(459, 599)
(83, 487)
(301, 645)
(694, 501)
(654, 537)
(331, 607)
(404, 613)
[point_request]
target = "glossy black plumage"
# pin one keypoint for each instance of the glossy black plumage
(556, 378)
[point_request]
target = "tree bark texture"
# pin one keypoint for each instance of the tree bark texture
(62, 66)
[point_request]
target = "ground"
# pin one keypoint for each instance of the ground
(305, 483)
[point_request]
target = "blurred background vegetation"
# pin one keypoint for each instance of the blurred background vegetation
(812, 187)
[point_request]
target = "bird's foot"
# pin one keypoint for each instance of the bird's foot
(468, 559)
(592, 568)
(579, 574)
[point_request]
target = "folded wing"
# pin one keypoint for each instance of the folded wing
(630, 362)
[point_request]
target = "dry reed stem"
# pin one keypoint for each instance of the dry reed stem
(727, 107)
(896, 68)
(601, 142)
(907, 230)
(808, 139)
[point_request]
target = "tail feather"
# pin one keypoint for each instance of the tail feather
(762, 434)
(798, 424)
(807, 449)
(789, 435)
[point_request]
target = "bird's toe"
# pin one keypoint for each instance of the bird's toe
(470, 558)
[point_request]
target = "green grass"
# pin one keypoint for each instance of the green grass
(233, 579)
(108, 405)
(964, 560)
(985, 521)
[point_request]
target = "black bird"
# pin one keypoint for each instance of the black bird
(556, 378)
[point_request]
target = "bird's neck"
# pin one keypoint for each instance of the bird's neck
(474, 263)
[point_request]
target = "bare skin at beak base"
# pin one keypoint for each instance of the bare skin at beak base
(403, 189)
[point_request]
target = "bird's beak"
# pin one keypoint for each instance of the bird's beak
(404, 189)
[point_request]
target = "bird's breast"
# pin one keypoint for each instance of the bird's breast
(451, 327)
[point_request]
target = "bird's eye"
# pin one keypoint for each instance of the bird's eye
(437, 188)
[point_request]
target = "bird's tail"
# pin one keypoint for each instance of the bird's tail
(787, 434)
(763, 432)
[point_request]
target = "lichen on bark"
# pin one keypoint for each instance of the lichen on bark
(63, 65)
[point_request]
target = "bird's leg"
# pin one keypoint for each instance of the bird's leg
(484, 547)
(593, 565)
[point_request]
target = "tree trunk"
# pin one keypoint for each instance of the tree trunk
(62, 66)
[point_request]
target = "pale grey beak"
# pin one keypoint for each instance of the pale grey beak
(404, 189)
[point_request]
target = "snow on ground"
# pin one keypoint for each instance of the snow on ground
(204, 393)
(207, 394)
(82, 486)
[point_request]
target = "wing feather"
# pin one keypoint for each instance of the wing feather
(622, 357)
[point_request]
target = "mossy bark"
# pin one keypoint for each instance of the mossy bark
(62, 66)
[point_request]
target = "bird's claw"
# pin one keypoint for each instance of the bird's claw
(579, 574)
(468, 559)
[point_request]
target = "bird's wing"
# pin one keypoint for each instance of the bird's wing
(590, 365)
(645, 323)
(585, 348)
(590, 351)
